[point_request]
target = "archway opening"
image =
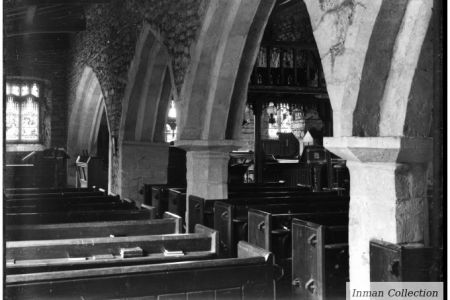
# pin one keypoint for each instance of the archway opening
(103, 146)
(89, 132)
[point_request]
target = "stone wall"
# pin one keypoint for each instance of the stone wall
(108, 46)
(31, 58)
(291, 24)
(34, 58)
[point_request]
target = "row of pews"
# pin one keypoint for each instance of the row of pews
(261, 242)
(307, 232)
(84, 244)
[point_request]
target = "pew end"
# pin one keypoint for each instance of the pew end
(214, 236)
(177, 218)
(151, 209)
(245, 249)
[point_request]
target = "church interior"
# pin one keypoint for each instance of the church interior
(221, 149)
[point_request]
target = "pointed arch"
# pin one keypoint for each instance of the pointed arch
(143, 152)
(84, 119)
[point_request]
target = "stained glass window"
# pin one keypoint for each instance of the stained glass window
(12, 119)
(25, 90)
(22, 112)
(30, 120)
(280, 120)
(35, 90)
(171, 125)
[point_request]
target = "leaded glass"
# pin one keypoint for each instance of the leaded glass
(35, 90)
(15, 90)
(171, 135)
(30, 120)
(262, 58)
(275, 57)
(25, 90)
(12, 120)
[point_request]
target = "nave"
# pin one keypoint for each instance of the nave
(238, 149)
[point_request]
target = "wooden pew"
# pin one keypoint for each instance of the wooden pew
(249, 276)
(10, 191)
(169, 224)
(201, 210)
(270, 228)
(404, 262)
(48, 202)
(231, 216)
(143, 213)
(176, 201)
(55, 195)
(320, 256)
(173, 199)
(74, 206)
(24, 257)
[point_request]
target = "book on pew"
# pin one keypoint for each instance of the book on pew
(131, 252)
(173, 253)
(103, 256)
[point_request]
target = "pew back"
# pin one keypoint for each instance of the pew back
(250, 276)
(69, 254)
(319, 259)
(79, 216)
(170, 224)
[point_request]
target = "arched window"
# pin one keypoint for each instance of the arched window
(280, 119)
(22, 112)
(171, 125)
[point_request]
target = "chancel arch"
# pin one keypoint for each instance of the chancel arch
(84, 121)
(143, 151)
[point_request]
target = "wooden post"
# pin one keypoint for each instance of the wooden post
(436, 232)
(259, 159)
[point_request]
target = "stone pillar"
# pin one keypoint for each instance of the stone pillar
(141, 163)
(387, 194)
(207, 168)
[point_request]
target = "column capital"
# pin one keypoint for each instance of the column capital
(209, 145)
(382, 149)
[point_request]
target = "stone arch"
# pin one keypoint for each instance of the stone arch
(230, 29)
(346, 33)
(150, 86)
(143, 153)
(84, 120)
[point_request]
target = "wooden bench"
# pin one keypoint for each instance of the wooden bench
(169, 224)
(23, 257)
(320, 258)
(48, 202)
(71, 206)
(176, 202)
(10, 191)
(404, 262)
(143, 213)
(201, 210)
(173, 199)
(249, 276)
(54, 195)
(270, 228)
(231, 216)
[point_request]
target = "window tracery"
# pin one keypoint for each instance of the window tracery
(22, 112)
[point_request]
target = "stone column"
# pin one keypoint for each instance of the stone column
(387, 194)
(207, 168)
(141, 163)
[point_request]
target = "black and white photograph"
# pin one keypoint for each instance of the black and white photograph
(224, 149)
